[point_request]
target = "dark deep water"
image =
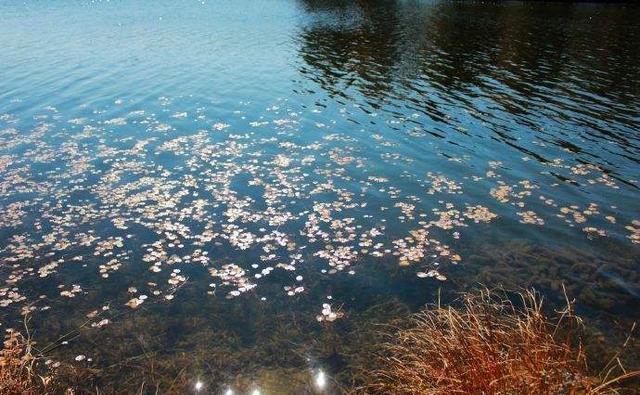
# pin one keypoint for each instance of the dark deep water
(263, 182)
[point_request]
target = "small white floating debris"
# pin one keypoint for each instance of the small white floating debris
(134, 303)
(432, 273)
(328, 314)
(100, 324)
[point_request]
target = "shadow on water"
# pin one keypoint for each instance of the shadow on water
(507, 64)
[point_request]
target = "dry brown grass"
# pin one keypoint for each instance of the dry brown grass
(489, 346)
(24, 370)
(17, 373)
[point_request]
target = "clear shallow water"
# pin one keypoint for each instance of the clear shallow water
(227, 168)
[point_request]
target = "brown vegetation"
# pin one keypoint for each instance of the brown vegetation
(17, 374)
(489, 346)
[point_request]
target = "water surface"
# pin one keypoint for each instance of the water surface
(238, 192)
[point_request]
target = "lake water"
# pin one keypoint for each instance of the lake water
(240, 192)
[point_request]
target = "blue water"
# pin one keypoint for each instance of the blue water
(206, 175)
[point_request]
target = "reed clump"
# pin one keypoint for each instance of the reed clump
(487, 345)
(17, 373)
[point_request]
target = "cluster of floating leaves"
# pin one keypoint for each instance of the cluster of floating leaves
(328, 314)
(530, 217)
(137, 198)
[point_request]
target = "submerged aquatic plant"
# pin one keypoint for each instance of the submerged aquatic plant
(489, 345)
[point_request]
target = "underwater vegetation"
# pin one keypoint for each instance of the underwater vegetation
(487, 341)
